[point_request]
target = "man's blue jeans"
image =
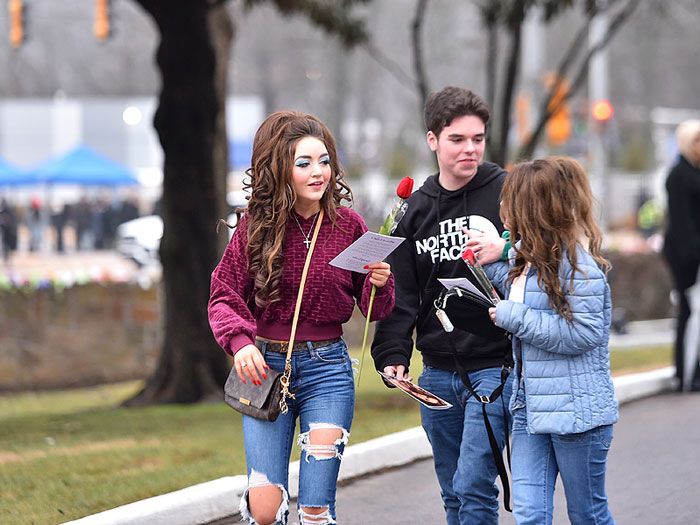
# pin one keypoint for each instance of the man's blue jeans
(579, 458)
(464, 462)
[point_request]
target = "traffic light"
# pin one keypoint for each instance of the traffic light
(17, 13)
(602, 110)
(103, 21)
(559, 124)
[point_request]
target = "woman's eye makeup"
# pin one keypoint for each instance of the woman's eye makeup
(325, 160)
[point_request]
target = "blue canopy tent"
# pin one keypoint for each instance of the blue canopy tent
(12, 176)
(83, 166)
(239, 153)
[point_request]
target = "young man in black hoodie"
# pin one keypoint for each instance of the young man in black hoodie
(464, 194)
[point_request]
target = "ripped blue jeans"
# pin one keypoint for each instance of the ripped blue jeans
(322, 381)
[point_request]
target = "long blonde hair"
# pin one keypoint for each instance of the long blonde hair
(272, 195)
(548, 205)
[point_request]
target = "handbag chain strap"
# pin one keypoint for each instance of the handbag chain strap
(284, 380)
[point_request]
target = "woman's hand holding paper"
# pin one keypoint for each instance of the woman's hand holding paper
(379, 273)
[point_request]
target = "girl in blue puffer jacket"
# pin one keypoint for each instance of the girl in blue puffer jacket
(558, 310)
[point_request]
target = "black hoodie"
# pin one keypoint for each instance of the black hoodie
(434, 242)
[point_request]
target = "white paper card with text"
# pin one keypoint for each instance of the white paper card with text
(465, 283)
(369, 248)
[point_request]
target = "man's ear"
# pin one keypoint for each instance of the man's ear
(432, 141)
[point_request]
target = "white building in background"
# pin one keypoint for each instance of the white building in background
(35, 130)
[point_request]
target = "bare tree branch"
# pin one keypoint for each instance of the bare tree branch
(491, 77)
(334, 18)
(391, 66)
(491, 63)
(546, 111)
(490, 13)
(516, 18)
(416, 26)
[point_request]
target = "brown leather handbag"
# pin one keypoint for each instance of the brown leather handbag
(262, 402)
(268, 400)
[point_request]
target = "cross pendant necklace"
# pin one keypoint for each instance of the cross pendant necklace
(307, 241)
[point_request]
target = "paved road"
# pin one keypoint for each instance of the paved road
(653, 475)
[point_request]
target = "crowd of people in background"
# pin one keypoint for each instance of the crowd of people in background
(88, 224)
(8, 229)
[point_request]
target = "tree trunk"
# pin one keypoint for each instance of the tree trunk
(416, 26)
(515, 23)
(190, 122)
(490, 12)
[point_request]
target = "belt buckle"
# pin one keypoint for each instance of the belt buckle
(278, 347)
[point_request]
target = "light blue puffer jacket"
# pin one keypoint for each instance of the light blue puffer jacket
(565, 366)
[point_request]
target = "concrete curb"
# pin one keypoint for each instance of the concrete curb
(217, 499)
(636, 386)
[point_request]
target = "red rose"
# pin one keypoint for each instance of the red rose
(468, 255)
(405, 188)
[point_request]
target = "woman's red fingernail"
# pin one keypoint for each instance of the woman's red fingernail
(264, 376)
(366, 266)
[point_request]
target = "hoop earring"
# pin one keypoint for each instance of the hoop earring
(291, 197)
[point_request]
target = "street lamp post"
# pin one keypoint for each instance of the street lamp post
(598, 91)
(601, 113)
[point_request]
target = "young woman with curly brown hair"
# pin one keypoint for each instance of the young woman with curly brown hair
(294, 175)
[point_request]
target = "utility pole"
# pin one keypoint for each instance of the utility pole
(597, 136)
(531, 73)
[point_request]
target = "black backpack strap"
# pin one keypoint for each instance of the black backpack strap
(485, 400)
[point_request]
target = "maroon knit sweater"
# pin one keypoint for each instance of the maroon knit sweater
(329, 296)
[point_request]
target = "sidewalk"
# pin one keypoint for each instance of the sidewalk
(219, 499)
(644, 333)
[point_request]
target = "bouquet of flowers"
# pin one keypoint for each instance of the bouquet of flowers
(403, 192)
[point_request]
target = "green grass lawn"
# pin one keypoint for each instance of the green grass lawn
(641, 359)
(68, 454)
